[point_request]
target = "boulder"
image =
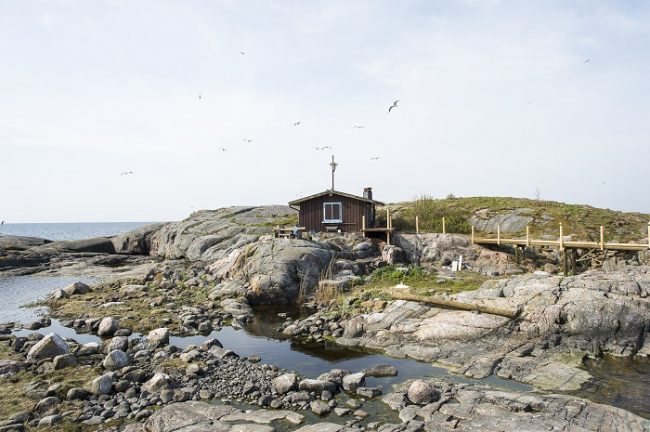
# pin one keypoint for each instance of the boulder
(158, 337)
(50, 346)
(102, 385)
(76, 288)
(160, 381)
(116, 359)
(285, 383)
(379, 371)
(116, 343)
(353, 381)
(64, 360)
(421, 392)
(107, 326)
(318, 386)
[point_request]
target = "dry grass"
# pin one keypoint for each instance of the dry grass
(13, 397)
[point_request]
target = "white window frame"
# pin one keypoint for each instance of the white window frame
(340, 206)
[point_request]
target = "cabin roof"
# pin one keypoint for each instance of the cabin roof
(334, 192)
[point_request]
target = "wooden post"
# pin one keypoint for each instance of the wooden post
(562, 238)
(499, 235)
(602, 238)
(417, 224)
(565, 265)
(574, 259)
(388, 226)
(363, 224)
(444, 228)
(527, 235)
(472, 234)
(648, 235)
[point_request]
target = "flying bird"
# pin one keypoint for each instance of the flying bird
(126, 173)
(247, 140)
(223, 149)
(588, 60)
(199, 95)
(297, 123)
(359, 127)
(323, 148)
(394, 105)
(242, 52)
(374, 158)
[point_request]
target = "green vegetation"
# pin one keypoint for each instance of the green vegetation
(421, 282)
(581, 221)
(290, 220)
(14, 395)
(140, 312)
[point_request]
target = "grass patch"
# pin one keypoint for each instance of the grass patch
(421, 282)
(581, 221)
(289, 220)
(136, 311)
(13, 390)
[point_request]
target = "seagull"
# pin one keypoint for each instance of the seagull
(359, 127)
(301, 192)
(588, 60)
(323, 148)
(297, 123)
(223, 149)
(126, 173)
(394, 105)
(374, 158)
(242, 52)
(199, 95)
(247, 140)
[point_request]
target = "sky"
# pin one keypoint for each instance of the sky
(496, 98)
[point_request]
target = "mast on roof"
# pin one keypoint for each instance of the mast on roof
(333, 165)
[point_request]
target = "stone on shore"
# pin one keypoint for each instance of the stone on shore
(107, 326)
(76, 288)
(353, 381)
(421, 392)
(285, 383)
(102, 385)
(50, 346)
(158, 337)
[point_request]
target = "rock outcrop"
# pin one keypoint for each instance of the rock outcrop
(559, 321)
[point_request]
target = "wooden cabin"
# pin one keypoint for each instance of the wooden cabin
(334, 211)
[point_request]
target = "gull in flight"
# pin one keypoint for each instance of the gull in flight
(323, 148)
(126, 173)
(247, 140)
(297, 123)
(223, 149)
(394, 105)
(242, 52)
(199, 95)
(374, 158)
(359, 127)
(588, 60)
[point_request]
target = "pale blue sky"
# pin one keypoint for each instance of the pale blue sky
(495, 99)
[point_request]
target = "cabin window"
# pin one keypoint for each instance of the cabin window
(332, 212)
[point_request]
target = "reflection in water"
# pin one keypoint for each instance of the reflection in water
(622, 382)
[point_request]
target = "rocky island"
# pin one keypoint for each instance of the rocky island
(141, 349)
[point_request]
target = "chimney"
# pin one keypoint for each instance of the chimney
(367, 193)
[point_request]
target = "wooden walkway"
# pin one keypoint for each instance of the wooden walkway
(561, 243)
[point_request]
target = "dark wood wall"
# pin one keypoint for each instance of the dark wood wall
(311, 213)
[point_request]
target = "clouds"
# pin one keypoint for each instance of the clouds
(494, 95)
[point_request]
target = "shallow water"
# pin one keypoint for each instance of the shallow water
(17, 291)
(622, 382)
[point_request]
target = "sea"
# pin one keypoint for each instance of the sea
(18, 292)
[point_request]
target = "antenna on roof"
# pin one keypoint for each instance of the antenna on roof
(333, 165)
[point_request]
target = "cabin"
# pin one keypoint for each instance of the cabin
(335, 211)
